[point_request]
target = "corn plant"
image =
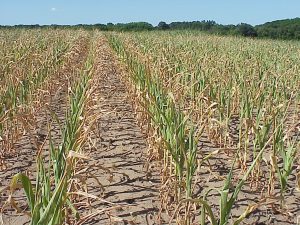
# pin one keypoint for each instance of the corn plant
(288, 155)
(49, 200)
(173, 126)
(185, 78)
(28, 67)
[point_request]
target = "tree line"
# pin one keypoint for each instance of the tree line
(280, 29)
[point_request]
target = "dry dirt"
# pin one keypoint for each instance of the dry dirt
(118, 152)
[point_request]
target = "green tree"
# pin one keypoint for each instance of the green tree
(246, 30)
(163, 26)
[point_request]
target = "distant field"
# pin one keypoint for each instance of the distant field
(148, 128)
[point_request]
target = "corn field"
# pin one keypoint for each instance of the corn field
(220, 118)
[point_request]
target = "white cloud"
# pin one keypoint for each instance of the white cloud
(53, 9)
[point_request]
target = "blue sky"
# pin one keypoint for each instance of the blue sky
(93, 11)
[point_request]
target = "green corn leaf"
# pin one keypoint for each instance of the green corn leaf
(56, 200)
(26, 183)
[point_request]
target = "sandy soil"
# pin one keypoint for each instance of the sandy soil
(119, 173)
(117, 149)
(23, 157)
(213, 175)
(119, 154)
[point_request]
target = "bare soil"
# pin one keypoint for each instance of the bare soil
(119, 174)
(52, 99)
(117, 149)
(119, 154)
